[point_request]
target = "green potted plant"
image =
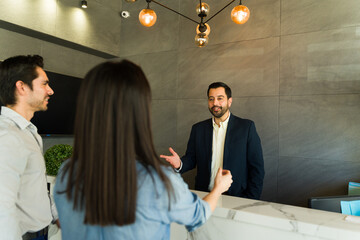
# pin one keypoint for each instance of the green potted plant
(55, 156)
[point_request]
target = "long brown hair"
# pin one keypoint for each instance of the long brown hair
(112, 131)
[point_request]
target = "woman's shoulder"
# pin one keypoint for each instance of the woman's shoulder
(150, 173)
(61, 178)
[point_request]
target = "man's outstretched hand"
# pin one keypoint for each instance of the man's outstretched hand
(174, 159)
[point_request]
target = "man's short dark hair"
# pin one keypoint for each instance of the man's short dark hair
(220, 84)
(14, 69)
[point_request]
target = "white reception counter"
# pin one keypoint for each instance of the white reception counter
(240, 218)
(245, 219)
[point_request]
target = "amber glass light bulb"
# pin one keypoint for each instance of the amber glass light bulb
(201, 40)
(204, 9)
(240, 14)
(147, 17)
(207, 31)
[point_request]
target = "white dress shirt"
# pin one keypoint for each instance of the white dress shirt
(219, 134)
(24, 200)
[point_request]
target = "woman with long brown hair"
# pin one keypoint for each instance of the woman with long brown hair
(115, 186)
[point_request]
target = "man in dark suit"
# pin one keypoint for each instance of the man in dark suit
(224, 141)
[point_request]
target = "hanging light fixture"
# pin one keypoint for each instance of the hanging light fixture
(84, 4)
(240, 14)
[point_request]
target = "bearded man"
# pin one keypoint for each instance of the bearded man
(223, 141)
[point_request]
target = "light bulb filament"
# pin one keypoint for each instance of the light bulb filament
(148, 18)
(241, 15)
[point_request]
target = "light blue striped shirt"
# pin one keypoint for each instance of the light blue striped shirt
(153, 218)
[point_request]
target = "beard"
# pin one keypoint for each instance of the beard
(220, 113)
(38, 105)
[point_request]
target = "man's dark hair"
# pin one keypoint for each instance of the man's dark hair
(220, 84)
(17, 68)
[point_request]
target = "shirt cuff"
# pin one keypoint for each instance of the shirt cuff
(179, 169)
(205, 216)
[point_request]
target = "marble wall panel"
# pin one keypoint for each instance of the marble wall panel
(320, 127)
(269, 192)
(163, 124)
(68, 61)
(96, 27)
(264, 22)
(189, 112)
(250, 68)
(137, 39)
(13, 44)
(161, 71)
(134, 58)
(302, 178)
(39, 15)
(321, 62)
(309, 15)
(264, 112)
(115, 5)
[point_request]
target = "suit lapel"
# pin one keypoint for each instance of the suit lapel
(208, 143)
(227, 143)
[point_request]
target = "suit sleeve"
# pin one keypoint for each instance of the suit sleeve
(189, 159)
(255, 163)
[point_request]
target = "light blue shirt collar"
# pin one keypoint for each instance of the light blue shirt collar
(19, 120)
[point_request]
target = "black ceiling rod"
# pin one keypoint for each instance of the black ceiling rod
(221, 10)
(174, 11)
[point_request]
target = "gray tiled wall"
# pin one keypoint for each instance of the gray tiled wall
(294, 69)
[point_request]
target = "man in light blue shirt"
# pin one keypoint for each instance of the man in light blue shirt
(25, 207)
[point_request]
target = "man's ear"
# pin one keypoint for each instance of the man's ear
(20, 88)
(230, 101)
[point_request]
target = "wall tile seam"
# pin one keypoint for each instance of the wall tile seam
(144, 53)
(236, 97)
(318, 31)
(314, 159)
(164, 99)
(319, 94)
(180, 50)
(227, 43)
(270, 155)
(278, 106)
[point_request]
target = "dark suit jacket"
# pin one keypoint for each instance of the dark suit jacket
(242, 156)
